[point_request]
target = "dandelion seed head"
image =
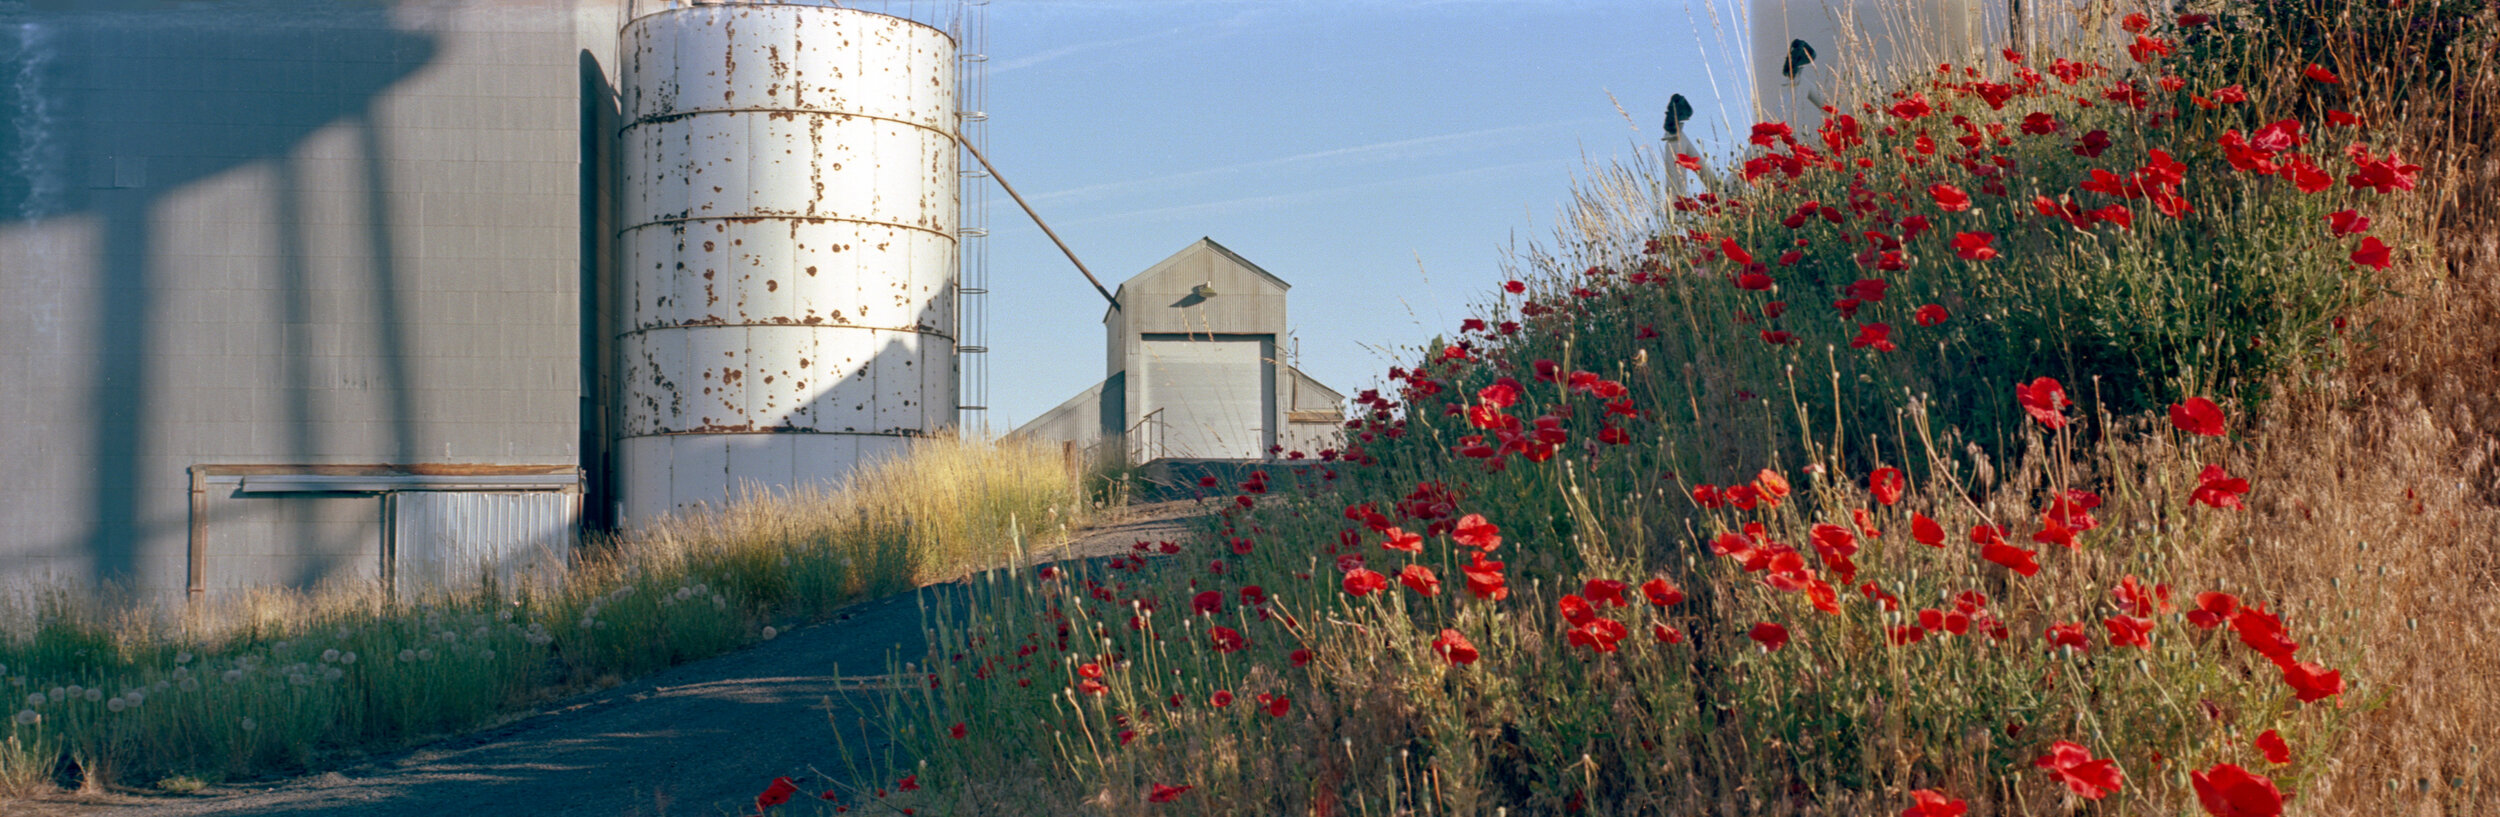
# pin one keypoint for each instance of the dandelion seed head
(249, 725)
(28, 717)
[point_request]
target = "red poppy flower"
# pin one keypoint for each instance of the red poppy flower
(1300, 658)
(1253, 595)
(2020, 560)
(2074, 765)
(2213, 609)
(1401, 540)
(2043, 399)
(2128, 631)
(776, 794)
(1164, 794)
(1930, 315)
(1974, 246)
(956, 731)
(1277, 705)
(1599, 634)
(2092, 144)
(2227, 790)
(2263, 632)
(2218, 488)
(2070, 634)
(2198, 416)
(1666, 634)
(1771, 484)
(1753, 281)
(1661, 593)
(1577, 610)
(2372, 253)
(1225, 639)
(1930, 803)
(2054, 531)
(1420, 579)
(1454, 648)
(1361, 582)
(1605, 591)
(1222, 698)
(2131, 597)
(1949, 198)
(1707, 496)
(1484, 578)
(1925, 530)
(2319, 73)
(2310, 681)
(2039, 123)
(2347, 222)
(1474, 532)
(1770, 636)
(1876, 336)
(1865, 522)
(2272, 746)
(2379, 175)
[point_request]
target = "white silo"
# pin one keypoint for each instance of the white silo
(1811, 53)
(789, 247)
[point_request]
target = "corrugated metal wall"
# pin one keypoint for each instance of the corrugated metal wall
(446, 540)
(1208, 397)
(283, 231)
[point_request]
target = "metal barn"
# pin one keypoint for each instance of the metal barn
(1197, 369)
(304, 291)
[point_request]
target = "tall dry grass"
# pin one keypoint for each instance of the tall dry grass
(2401, 450)
(278, 682)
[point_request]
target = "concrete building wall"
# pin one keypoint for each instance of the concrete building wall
(286, 232)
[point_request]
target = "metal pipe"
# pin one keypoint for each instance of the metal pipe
(1037, 221)
(198, 549)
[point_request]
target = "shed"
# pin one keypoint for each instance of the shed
(1194, 370)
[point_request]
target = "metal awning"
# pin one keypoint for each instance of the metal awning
(384, 483)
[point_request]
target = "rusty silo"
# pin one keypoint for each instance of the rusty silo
(788, 247)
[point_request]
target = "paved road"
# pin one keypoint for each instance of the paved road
(698, 739)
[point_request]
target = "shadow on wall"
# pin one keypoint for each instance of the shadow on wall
(109, 111)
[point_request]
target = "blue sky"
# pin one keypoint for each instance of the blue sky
(1383, 157)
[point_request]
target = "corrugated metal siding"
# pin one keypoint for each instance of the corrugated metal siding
(447, 540)
(1214, 396)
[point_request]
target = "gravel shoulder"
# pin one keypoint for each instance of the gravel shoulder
(697, 739)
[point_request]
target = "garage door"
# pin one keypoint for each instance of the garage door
(1205, 398)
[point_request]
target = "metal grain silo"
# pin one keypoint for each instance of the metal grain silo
(788, 249)
(1811, 53)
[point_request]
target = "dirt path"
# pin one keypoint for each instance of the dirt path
(697, 739)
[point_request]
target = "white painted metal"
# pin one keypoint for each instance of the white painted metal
(1859, 44)
(790, 201)
(448, 540)
(1210, 398)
